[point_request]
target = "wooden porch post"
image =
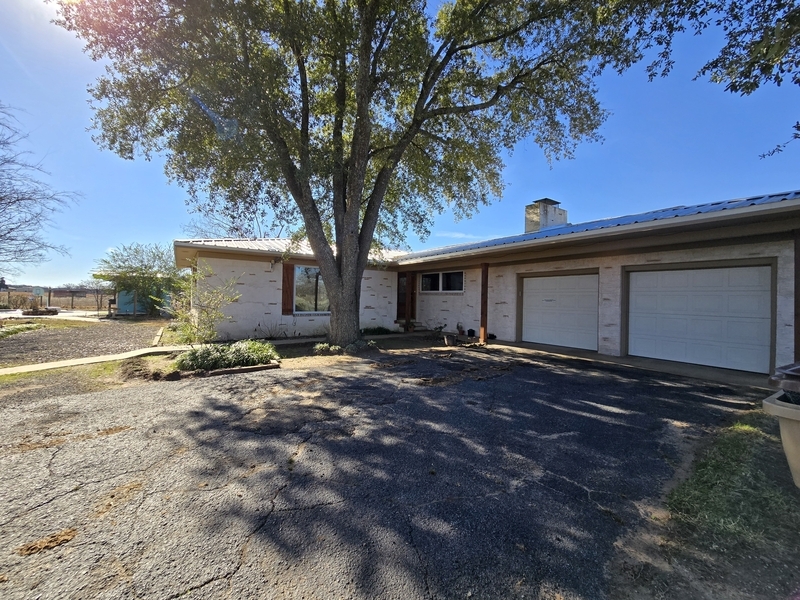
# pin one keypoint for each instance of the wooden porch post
(484, 302)
(410, 283)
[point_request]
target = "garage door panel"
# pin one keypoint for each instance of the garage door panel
(673, 347)
(645, 302)
(752, 277)
(673, 279)
(707, 278)
(755, 305)
(642, 346)
(708, 328)
(671, 326)
(698, 352)
(560, 310)
(646, 325)
(748, 358)
(648, 280)
(717, 317)
(673, 303)
(749, 332)
(711, 304)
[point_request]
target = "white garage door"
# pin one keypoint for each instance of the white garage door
(715, 317)
(561, 311)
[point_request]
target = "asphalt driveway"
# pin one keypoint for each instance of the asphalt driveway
(424, 474)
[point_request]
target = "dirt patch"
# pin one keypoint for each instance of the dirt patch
(117, 497)
(29, 446)
(113, 430)
(735, 556)
(48, 543)
(53, 440)
(65, 340)
(147, 370)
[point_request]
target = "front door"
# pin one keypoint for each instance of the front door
(406, 298)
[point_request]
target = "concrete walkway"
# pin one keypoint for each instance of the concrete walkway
(60, 364)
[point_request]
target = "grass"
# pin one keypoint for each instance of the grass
(12, 329)
(50, 323)
(740, 493)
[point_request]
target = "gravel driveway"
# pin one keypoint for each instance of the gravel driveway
(81, 340)
(423, 475)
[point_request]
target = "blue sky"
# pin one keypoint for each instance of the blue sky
(670, 142)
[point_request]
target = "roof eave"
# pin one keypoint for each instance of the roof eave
(718, 218)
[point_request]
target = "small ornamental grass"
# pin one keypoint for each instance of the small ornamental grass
(12, 329)
(323, 349)
(246, 353)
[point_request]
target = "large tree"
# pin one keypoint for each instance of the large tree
(354, 120)
(27, 202)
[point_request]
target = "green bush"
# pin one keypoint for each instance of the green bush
(376, 331)
(359, 346)
(322, 349)
(224, 356)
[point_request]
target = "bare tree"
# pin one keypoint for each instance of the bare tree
(99, 289)
(27, 204)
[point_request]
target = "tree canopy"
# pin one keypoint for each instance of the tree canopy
(148, 270)
(353, 121)
(27, 203)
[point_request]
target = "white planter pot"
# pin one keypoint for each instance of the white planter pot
(789, 420)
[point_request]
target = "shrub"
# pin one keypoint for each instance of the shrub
(359, 346)
(323, 349)
(224, 356)
(18, 301)
(376, 331)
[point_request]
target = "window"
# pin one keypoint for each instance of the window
(309, 291)
(430, 282)
(452, 281)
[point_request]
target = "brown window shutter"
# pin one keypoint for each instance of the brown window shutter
(288, 289)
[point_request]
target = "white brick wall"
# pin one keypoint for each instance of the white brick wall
(257, 312)
(502, 317)
(437, 309)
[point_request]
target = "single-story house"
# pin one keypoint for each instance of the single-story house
(711, 284)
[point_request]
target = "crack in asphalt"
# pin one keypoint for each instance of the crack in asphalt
(603, 509)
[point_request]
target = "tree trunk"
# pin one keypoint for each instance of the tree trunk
(345, 316)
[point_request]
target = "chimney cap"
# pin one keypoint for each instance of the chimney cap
(548, 201)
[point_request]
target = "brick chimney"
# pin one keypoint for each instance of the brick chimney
(543, 214)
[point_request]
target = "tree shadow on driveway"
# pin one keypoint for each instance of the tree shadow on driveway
(452, 476)
(457, 474)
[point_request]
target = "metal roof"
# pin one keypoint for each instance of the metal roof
(270, 245)
(302, 248)
(663, 214)
(274, 246)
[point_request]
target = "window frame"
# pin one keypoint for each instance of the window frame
(440, 282)
(294, 292)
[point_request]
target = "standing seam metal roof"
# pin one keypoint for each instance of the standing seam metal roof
(303, 248)
(562, 230)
